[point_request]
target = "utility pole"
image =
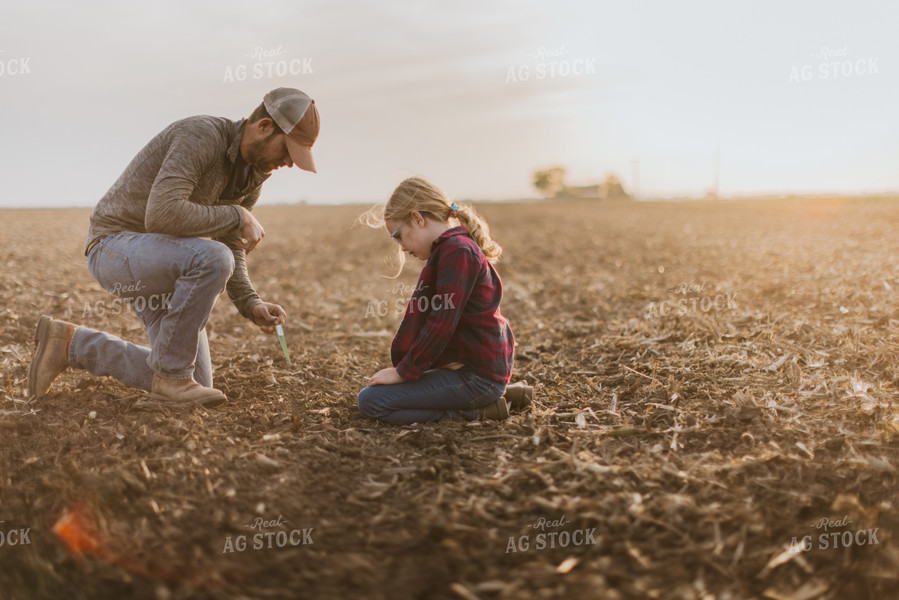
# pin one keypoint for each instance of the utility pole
(717, 167)
(635, 178)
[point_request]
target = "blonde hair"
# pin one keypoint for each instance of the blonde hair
(417, 194)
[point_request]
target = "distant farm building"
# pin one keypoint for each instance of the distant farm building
(551, 184)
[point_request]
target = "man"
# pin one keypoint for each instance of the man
(199, 178)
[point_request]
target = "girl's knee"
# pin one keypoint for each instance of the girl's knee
(368, 402)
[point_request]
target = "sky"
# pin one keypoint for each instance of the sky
(786, 97)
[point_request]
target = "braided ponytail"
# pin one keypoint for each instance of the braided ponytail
(480, 232)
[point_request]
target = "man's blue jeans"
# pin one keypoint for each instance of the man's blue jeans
(439, 394)
(171, 283)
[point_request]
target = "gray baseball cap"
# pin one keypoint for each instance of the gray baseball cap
(296, 114)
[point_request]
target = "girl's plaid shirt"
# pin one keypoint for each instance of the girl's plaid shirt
(454, 316)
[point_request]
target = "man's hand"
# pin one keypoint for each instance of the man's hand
(267, 315)
(385, 377)
(251, 233)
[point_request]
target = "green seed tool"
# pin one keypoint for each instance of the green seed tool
(283, 341)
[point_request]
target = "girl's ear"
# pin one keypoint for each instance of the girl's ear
(417, 218)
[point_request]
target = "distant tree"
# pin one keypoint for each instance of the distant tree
(550, 182)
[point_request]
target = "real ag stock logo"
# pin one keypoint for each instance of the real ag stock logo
(409, 302)
(128, 300)
(834, 63)
(835, 539)
(551, 64)
(14, 536)
(15, 66)
(268, 539)
(549, 538)
(690, 298)
(268, 63)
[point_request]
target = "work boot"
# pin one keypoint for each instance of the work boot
(186, 391)
(519, 395)
(51, 357)
(497, 410)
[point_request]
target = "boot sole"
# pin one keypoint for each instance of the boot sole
(203, 402)
(40, 338)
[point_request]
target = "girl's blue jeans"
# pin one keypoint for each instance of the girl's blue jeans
(438, 395)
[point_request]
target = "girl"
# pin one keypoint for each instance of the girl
(452, 354)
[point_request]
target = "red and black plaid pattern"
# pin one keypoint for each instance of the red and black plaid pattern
(453, 315)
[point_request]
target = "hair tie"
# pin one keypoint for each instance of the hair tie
(454, 209)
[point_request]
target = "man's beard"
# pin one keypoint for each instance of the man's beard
(257, 151)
